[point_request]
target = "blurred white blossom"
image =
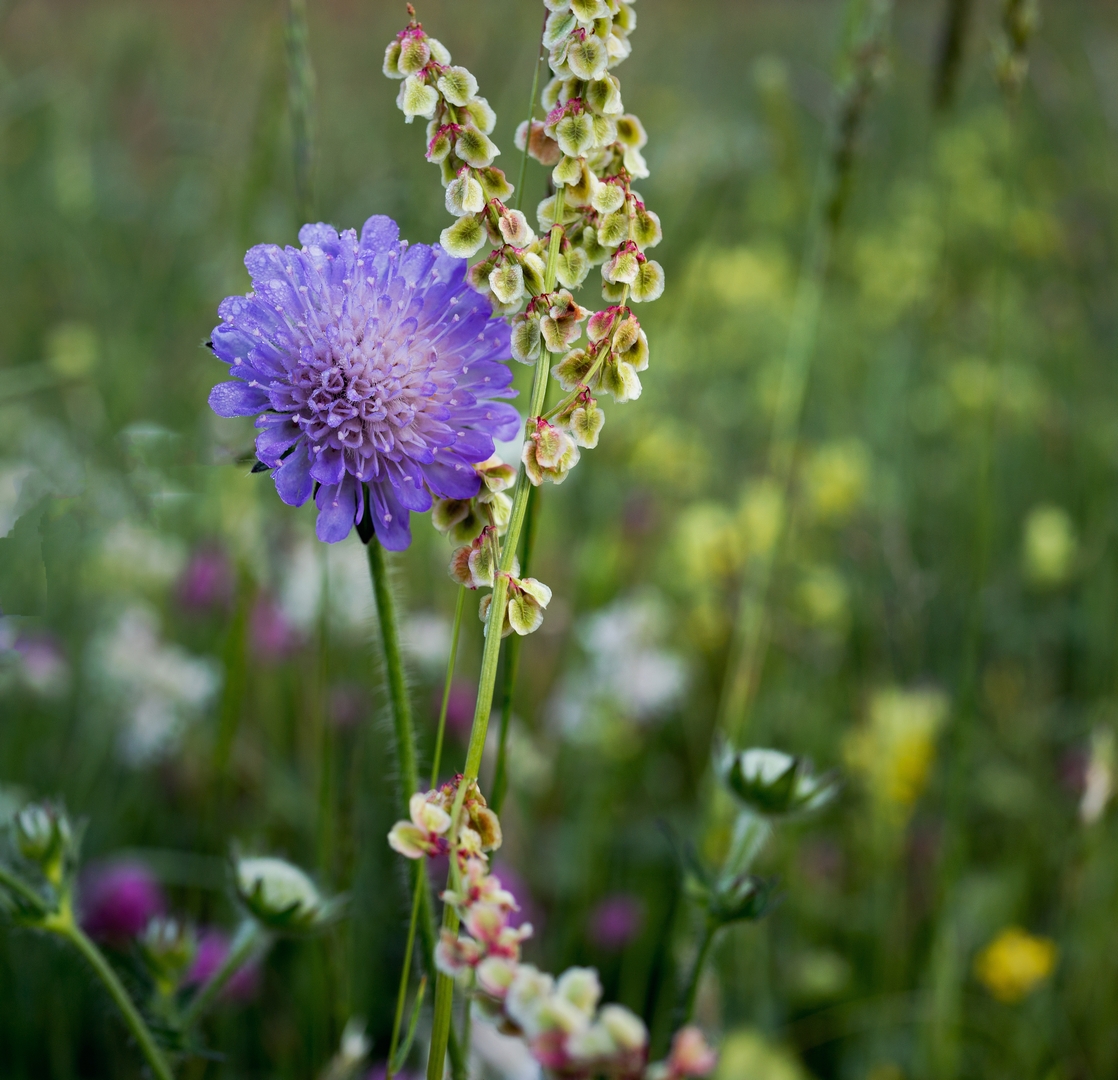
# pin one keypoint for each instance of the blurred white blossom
(161, 687)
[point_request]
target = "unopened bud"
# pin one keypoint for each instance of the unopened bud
(167, 947)
(771, 782)
(44, 837)
(280, 896)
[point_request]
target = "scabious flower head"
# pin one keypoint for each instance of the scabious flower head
(119, 899)
(370, 366)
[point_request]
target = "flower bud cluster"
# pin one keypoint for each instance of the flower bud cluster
(458, 129)
(594, 149)
(559, 1019)
(281, 897)
(44, 837)
(429, 832)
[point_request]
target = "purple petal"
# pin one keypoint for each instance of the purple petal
(238, 399)
(390, 519)
(473, 446)
(379, 232)
(293, 477)
(328, 466)
(337, 508)
(452, 480)
(417, 260)
(320, 236)
(276, 435)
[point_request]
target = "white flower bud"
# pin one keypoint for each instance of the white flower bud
(391, 66)
(626, 1028)
(586, 424)
(416, 98)
(464, 238)
(604, 96)
(631, 131)
(415, 53)
(557, 28)
(608, 197)
(475, 148)
(464, 196)
(648, 284)
(589, 10)
(588, 58)
(507, 282)
(280, 895)
(457, 85)
(439, 52)
(482, 114)
(572, 267)
(515, 228)
(525, 338)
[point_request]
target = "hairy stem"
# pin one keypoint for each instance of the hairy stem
(444, 986)
(157, 1062)
(20, 888)
(687, 1003)
(248, 939)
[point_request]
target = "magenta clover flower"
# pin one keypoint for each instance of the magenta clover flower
(371, 366)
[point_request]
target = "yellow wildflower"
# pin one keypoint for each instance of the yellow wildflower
(1014, 964)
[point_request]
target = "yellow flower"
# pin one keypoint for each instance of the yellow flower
(895, 748)
(1014, 964)
(836, 479)
(1050, 545)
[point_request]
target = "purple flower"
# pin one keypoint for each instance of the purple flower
(366, 362)
(207, 581)
(118, 899)
(213, 947)
(272, 636)
(616, 920)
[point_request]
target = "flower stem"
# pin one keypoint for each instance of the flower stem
(512, 665)
(528, 134)
(418, 888)
(687, 1003)
(68, 929)
(18, 887)
(444, 985)
(454, 634)
(246, 941)
(300, 96)
(405, 742)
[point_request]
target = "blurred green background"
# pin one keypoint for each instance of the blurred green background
(186, 666)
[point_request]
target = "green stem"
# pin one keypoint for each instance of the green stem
(155, 1058)
(404, 739)
(394, 669)
(405, 971)
(418, 888)
(528, 135)
(300, 91)
(454, 634)
(687, 1005)
(248, 939)
(24, 891)
(512, 665)
(444, 985)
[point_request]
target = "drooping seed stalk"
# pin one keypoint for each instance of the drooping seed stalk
(405, 972)
(829, 200)
(248, 939)
(444, 985)
(300, 93)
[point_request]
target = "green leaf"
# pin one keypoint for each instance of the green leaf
(404, 1047)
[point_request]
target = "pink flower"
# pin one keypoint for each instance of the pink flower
(690, 1054)
(117, 899)
(616, 920)
(272, 636)
(213, 947)
(207, 581)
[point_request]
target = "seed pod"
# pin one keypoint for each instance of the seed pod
(416, 98)
(630, 131)
(587, 58)
(572, 268)
(604, 96)
(614, 228)
(646, 228)
(475, 148)
(464, 196)
(464, 238)
(525, 341)
(608, 198)
(482, 114)
(494, 183)
(391, 66)
(507, 282)
(457, 85)
(586, 424)
(648, 283)
(415, 53)
(575, 134)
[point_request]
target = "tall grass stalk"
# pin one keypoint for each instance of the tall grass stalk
(869, 20)
(300, 91)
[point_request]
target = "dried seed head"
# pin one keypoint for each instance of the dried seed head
(464, 238)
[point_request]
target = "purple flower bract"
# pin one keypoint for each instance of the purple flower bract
(366, 362)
